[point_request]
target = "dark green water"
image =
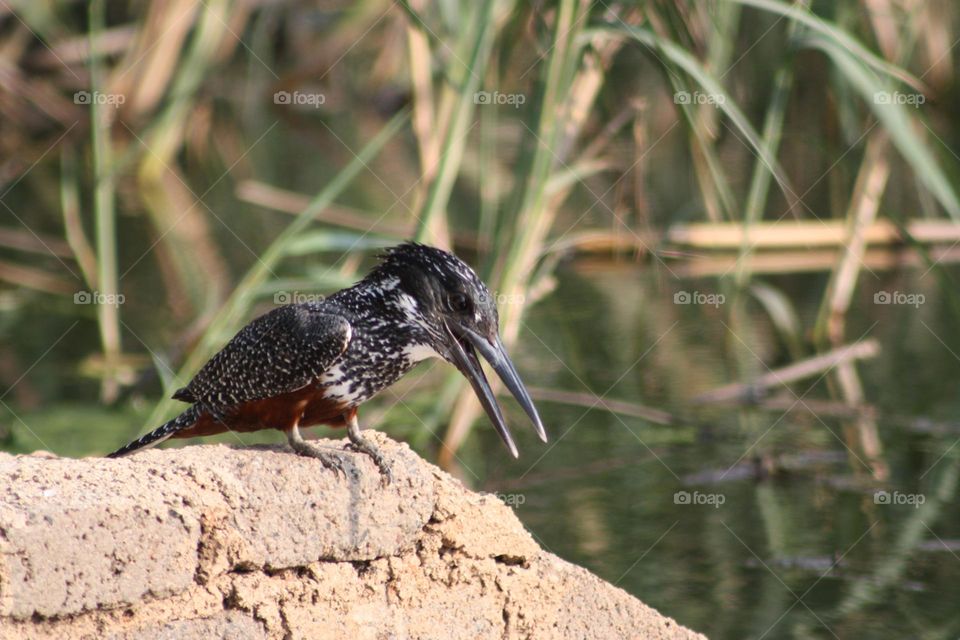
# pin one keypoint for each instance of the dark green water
(680, 515)
(804, 552)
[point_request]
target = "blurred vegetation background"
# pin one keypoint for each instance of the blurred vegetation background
(722, 235)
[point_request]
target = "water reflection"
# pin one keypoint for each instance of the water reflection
(748, 521)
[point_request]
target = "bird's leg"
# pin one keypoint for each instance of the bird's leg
(329, 458)
(363, 445)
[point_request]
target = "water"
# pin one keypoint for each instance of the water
(683, 516)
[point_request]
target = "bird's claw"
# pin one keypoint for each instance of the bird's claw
(329, 459)
(386, 471)
(335, 464)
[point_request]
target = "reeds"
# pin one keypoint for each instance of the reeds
(101, 121)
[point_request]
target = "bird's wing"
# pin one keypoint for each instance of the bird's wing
(279, 352)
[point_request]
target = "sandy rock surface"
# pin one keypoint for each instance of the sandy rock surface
(214, 542)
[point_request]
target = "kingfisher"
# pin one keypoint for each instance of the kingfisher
(316, 362)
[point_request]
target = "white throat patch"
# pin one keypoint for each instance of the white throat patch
(418, 352)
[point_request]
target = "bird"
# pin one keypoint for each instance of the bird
(316, 362)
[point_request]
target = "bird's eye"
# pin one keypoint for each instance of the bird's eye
(459, 302)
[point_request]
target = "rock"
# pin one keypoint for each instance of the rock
(215, 542)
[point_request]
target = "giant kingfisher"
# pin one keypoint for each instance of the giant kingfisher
(313, 363)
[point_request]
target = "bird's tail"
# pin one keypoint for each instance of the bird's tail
(184, 421)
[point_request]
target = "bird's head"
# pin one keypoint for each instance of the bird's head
(442, 295)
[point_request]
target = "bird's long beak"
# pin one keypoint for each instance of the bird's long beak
(462, 342)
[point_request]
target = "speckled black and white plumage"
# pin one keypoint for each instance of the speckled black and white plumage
(352, 345)
(315, 363)
(279, 352)
(391, 330)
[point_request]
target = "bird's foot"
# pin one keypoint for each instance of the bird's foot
(329, 458)
(362, 445)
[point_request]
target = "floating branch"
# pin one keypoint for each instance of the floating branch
(810, 367)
